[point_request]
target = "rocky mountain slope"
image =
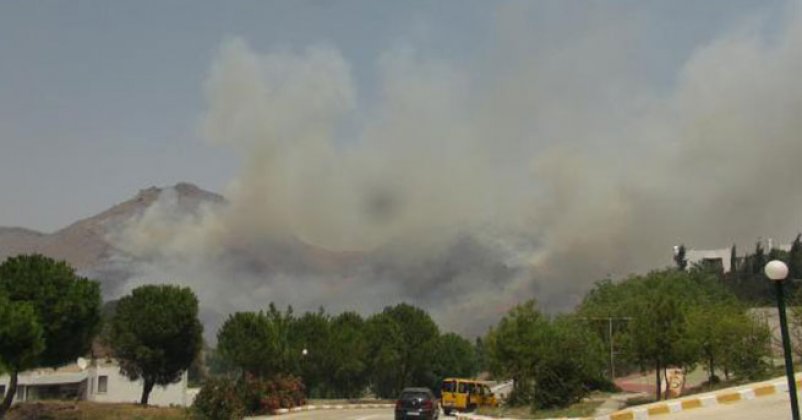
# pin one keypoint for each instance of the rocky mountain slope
(84, 243)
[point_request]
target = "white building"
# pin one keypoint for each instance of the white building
(100, 381)
(721, 257)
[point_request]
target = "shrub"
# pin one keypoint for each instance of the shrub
(223, 398)
(263, 396)
(218, 399)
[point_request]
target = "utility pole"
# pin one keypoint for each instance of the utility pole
(612, 357)
(610, 320)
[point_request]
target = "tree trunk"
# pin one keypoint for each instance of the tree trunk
(146, 391)
(12, 390)
(668, 384)
(711, 370)
(658, 383)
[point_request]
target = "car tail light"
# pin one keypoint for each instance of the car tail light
(428, 404)
(398, 404)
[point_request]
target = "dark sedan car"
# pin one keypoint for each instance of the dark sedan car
(417, 403)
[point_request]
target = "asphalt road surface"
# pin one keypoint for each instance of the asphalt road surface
(764, 408)
(348, 414)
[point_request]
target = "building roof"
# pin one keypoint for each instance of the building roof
(53, 378)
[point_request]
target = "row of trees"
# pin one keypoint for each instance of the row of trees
(341, 356)
(674, 318)
(680, 318)
(49, 316)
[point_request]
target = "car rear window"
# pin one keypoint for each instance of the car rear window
(414, 395)
(448, 386)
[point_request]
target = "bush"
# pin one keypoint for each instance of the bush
(263, 396)
(224, 398)
(218, 399)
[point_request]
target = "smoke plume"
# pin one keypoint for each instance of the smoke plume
(530, 169)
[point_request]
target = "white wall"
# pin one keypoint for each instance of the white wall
(121, 389)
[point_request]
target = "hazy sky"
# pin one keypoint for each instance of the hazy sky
(99, 99)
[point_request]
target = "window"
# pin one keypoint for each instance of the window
(21, 393)
(102, 384)
(2, 391)
(448, 386)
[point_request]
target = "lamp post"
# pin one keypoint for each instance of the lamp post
(777, 271)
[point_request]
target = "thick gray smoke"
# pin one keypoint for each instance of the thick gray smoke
(529, 170)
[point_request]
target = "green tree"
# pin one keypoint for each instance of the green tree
(401, 340)
(66, 307)
(21, 342)
(748, 349)
(658, 335)
(348, 348)
(454, 356)
(795, 259)
(552, 363)
(481, 354)
(758, 259)
(287, 357)
(733, 259)
(513, 348)
(656, 304)
(717, 329)
(259, 342)
(385, 348)
(571, 363)
(248, 341)
(155, 334)
(310, 336)
(679, 319)
(220, 367)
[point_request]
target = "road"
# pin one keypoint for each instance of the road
(348, 414)
(769, 407)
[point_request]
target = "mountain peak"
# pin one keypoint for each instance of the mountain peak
(182, 189)
(83, 243)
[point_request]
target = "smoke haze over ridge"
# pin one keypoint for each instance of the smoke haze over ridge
(532, 168)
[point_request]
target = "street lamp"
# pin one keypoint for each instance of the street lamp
(304, 352)
(777, 271)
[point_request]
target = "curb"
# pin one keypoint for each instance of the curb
(654, 410)
(468, 416)
(727, 396)
(304, 408)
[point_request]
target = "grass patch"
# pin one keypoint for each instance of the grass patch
(771, 373)
(639, 400)
(584, 408)
(84, 410)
